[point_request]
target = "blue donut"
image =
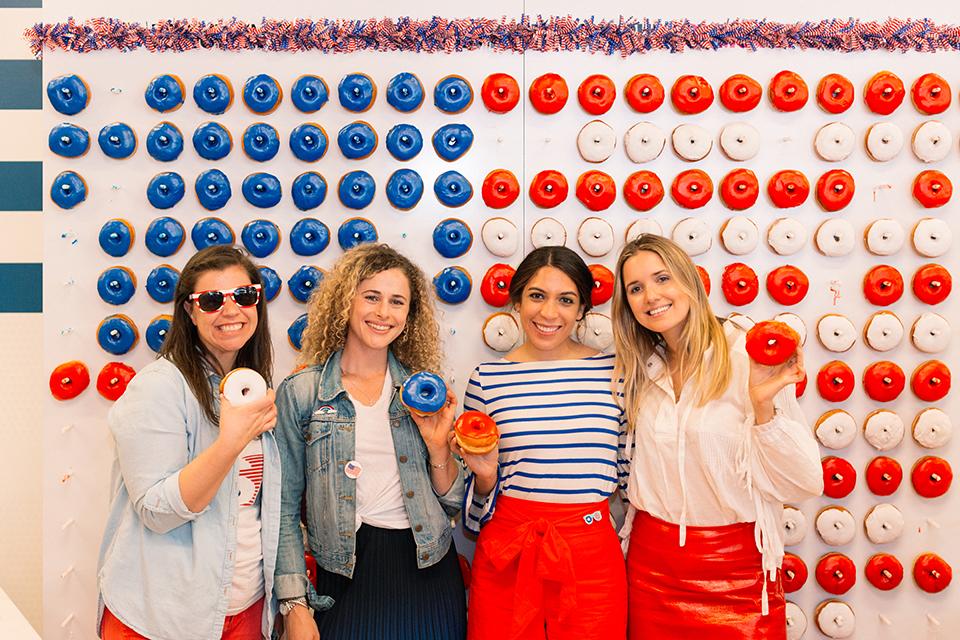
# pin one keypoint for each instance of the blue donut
(309, 190)
(452, 285)
(452, 238)
(309, 93)
(356, 231)
(164, 236)
(213, 189)
(262, 190)
(308, 142)
(165, 190)
(157, 331)
(162, 283)
(451, 141)
(68, 140)
(262, 94)
(212, 141)
(357, 92)
(117, 334)
(404, 188)
(116, 237)
(357, 140)
(356, 189)
(68, 190)
(303, 282)
(424, 393)
(116, 285)
(260, 237)
(404, 141)
(210, 231)
(404, 92)
(452, 189)
(271, 282)
(213, 94)
(68, 94)
(452, 94)
(295, 332)
(309, 237)
(117, 141)
(261, 142)
(164, 93)
(165, 142)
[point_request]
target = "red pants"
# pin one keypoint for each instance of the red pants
(709, 588)
(242, 626)
(544, 570)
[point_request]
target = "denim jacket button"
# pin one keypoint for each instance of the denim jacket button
(409, 494)
(418, 528)
(426, 556)
(403, 458)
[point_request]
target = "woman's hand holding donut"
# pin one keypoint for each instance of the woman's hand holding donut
(766, 382)
(239, 424)
(484, 466)
(435, 429)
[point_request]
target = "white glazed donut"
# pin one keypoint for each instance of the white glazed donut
(836, 333)
(595, 237)
(932, 237)
(884, 141)
(835, 237)
(693, 236)
(883, 331)
(739, 141)
(243, 385)
(501, 332)
(884, 237)
(932, 428)
(930, 332)
(796, 621)
(883, 429)
(786, 236)
(836, 526)
(884, 523)
(641, 226)
(596, 331)
(794, 525)
(691, 142)
(836, 429)
(596, 141)
(836, 619)
(795, 322)
(644, 142)
(834, 142)
(932, 141)
(739, 235)
(547, 232)
(500, 237)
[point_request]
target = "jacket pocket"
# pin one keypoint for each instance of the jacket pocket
(319, 440)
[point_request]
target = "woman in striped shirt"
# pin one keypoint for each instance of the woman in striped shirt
(547, 562)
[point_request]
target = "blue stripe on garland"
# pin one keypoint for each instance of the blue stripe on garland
(21, 186)
(22, 82)
(22, 287)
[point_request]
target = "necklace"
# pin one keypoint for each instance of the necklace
(365, 389)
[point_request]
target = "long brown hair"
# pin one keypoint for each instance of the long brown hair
(182, 345)
(558, 257)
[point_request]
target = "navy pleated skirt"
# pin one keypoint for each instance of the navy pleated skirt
(389, 597)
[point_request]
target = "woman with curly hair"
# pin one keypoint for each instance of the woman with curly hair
(380, 483)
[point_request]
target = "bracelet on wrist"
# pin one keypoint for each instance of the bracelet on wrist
(442, 465)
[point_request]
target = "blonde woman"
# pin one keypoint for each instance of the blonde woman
(719, 444)
(380, 485)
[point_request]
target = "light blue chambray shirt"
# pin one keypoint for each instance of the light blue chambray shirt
(164, 571)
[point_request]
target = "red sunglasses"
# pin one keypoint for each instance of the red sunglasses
(247, 295)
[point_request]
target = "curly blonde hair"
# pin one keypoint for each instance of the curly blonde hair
(328, 313)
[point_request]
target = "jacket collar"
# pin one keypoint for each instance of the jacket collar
(331, 378)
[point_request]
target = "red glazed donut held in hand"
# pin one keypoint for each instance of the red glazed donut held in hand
(835, 93)
(788, 91)
(788, 188)
(740, 93)
(839, 477)
(644, 93)
(596, 94)
(771, 343)
(692, 189)
(476, 432)
(691, 94)
(739, 284)
(835, 381)
(884, 476)
(643, 190)
(495, 286)
(549, 93)
(835, 190)
(884, 571)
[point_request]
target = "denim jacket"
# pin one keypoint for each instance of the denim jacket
(315, 432)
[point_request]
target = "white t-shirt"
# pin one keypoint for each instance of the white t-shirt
(247, 585)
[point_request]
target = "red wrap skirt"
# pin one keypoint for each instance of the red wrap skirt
(547, 571)
(709, 588)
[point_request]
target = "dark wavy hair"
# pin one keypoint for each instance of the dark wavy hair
(562, 258)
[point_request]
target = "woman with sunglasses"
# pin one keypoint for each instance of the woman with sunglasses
(191, 540)
(380, 484)
(721, 444)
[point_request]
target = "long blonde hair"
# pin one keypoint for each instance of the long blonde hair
(636, 344)
(328, 313)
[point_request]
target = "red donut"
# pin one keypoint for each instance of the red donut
(602, 284)
(793, 573)
(740, 93)
(788, 91)
(883, 571)
(883, 381)
(495, 286)
(788, 285)
(500, 189)
(596, 190)
(836, 573)
(771, 343)
(835, 381)
(931, 381)
(883, 285)
(739, 189)
(500, 92)
(884, 475)
(692, 189)
(691, 94)
(932, 573)
(644, 93)
(932, 189)
(931, 477)
(932, 284)
(549, 93)
(801, 386)
(884, 93)
(68, 380)
(596, 94)
(931, 94)
(839, 477)
(113, 380)
(704, 278)
(548, 189)
(835, 189)
(739, 284)
(788, 188)
(835, 93)
(643, 190)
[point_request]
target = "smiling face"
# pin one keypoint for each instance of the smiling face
(379, 311)
(655, 296)
(549, 309)
(224, 332)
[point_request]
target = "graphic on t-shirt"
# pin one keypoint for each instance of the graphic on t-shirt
(251, 477)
